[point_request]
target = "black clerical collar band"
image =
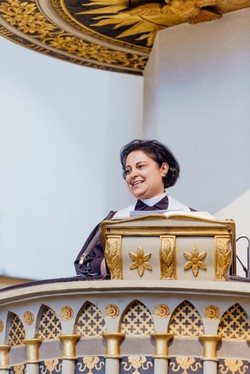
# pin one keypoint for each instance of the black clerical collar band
(160, 205)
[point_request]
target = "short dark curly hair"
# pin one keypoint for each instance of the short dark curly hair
(158, 152)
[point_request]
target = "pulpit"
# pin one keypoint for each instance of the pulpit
(169, 247)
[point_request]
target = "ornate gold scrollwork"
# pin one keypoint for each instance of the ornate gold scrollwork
(223, 257)
(137, 362)
(185, 363)
(167, 257)
(90, 362)
(234, 366)
(113, 256)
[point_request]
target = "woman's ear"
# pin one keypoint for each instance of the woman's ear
(164, 168)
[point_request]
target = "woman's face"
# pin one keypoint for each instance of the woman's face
(144, 175)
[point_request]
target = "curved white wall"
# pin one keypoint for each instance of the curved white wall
(196, 100)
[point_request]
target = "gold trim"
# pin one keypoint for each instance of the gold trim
(161, 344)
(113, 342)
(223, 257)
(168, 257)
(32, 350)
(210, 346)
(113, 255)
(4, 357)
(69, 346)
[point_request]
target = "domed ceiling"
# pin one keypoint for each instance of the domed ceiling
(112, 35)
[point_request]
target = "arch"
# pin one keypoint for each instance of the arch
(15, 333)
(186, 321)
(48, 324)
(136, 320)
(234, 324)
(89, 321)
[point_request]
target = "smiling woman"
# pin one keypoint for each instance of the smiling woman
(149, 168)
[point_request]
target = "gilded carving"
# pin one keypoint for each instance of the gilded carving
(233, 366)
(18, 369)
(112, 311)
(143, 21)
(137, 362)
(162, 311)
(1, 325)
(113, 256)
(51, 366)
(167, 258)
(28, 318)
(26, 17)
(195, 261)
(223, 258)
(89, 363)
(185, 363)
(211, 312)
(140, 261)
(67, 313)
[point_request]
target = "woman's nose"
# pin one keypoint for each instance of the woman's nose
(134, 173)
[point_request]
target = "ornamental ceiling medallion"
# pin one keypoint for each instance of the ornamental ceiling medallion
(112, 35)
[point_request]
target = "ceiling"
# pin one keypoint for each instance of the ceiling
(114, 35)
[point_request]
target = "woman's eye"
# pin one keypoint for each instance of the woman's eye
(141, 166)
(127, 171)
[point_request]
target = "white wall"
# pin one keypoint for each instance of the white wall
(239, 211)
(61, 129)
(196, 100)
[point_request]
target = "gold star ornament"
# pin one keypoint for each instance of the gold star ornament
(195, 261)
(140, 261)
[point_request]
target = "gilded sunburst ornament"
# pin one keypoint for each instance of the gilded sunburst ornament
(140, 261)
(195, 261)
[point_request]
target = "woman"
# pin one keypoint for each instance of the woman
(149, 167)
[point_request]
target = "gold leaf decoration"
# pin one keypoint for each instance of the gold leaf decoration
(223, 258)
(167, 258)
(113, 256)
(51, 366)
(162, 311)
(140, 261)
(28, 318)
(137, 362)
(185, 363)
(233, 366)
(212, 312)
(90, 362)
(195, 261)
(112, 310)
(67, 313)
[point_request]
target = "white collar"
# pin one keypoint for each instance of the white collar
(154, 200)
